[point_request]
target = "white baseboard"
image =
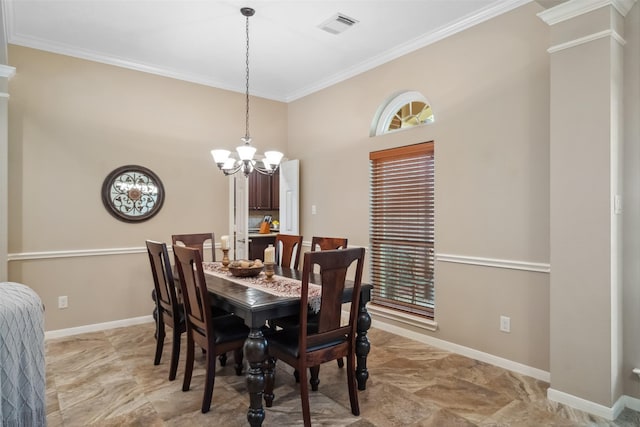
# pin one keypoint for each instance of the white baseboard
(591, 407)
(632, 403)
(465, 351)
(59, 333)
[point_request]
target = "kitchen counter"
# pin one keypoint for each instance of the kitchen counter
(273, 233)
(259, 242)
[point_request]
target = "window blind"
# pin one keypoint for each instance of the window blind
(402, 228)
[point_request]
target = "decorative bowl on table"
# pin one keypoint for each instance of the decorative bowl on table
(244, 268)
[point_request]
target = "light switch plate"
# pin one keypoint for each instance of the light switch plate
(505, 324)
(63, 302)
(617, 204)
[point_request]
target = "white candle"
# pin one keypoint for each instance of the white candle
(270, 254)
(224, 242)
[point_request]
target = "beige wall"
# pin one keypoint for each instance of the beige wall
(71, 123)
(489, 88)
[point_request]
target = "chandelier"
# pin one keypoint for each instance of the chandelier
(245, 159)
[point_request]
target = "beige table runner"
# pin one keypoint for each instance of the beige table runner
(279, 285)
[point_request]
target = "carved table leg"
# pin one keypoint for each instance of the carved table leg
(269, 381)
(255, 350)
(362, 346)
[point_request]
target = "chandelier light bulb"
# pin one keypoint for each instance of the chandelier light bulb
(273, 157)
(220, 156)
(246, 152)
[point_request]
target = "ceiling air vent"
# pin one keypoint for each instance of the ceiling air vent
(338, 23)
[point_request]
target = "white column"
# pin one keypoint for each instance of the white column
(5, 73)
(586, 186)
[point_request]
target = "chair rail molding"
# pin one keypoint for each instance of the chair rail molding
(535, 267)
(23, 256)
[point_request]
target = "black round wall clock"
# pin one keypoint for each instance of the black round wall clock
(132, 193)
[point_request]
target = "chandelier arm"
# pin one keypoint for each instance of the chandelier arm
(231, 171)
(264, 171)
(237, 165)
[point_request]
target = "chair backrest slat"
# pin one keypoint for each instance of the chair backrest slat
(162, 277)
(194, 289)
(328, 243)
(288, 248)
(196, 240)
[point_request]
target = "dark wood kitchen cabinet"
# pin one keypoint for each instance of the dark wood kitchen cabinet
(275, 191)
(264, 191)
(257, 245)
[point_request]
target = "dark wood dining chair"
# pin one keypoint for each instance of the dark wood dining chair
(288, 248)
(308, 347)
(317, 243)
(196, 240)
(215, 335)
(168, 311)
(323, 244)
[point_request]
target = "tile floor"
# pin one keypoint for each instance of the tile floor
(108, 379)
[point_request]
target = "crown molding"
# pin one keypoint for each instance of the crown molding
(465, 23)
(492, 11)
(75, 52)
(7, 71)
(574, 8)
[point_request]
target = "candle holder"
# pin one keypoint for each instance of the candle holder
(225, 259)
(268, 270)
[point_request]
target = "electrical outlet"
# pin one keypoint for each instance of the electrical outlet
(63, 302)
(505, 324)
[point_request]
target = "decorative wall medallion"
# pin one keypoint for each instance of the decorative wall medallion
(132, 193)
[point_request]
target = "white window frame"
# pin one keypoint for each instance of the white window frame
(387, 111)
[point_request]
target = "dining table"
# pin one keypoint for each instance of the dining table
(257, 305)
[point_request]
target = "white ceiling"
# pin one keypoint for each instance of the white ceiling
(204, 41)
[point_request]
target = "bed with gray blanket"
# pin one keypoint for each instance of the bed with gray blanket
(22, 365)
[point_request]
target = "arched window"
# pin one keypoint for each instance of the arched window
(401, 111)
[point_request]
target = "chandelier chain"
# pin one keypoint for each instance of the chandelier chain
(247, 83)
